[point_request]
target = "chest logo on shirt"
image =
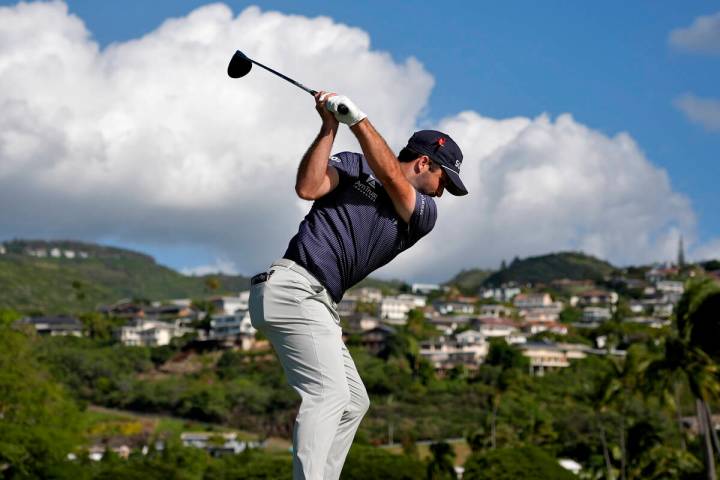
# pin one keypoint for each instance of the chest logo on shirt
(367, 185)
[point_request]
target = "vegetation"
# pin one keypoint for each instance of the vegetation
(469, 281)
(546, 268)
(69, 285)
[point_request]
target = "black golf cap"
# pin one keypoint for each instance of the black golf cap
(445, 152)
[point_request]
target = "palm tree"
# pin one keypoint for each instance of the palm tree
(691, 356)
(441, 465)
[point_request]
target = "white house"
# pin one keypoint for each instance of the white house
(424, 288)
(502, 294)
(2, 250)
(495, 327)
(54, 326)
(495, 311)
(230, 305)
(233, 328)
(364, 294)
(532, 300)
(150, 333)
(670, 286)
(596, 314)
(468, 348)
(394, 310)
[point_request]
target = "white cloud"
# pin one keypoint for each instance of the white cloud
(149, 141)
(703, 36)
(220, 265)
(703, 111)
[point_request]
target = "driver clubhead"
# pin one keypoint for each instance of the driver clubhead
(239, 65)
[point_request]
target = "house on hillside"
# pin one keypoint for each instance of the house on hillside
(495, 327)
(495, 311)
(360, 322)
(217, 444)
(230, 305)
(454, 307)
(424, 288)
(468, 348)
(596, 314)
(150, 333)
(594, 297)
(233, 330)
(364, 294)
(449, 323)
(376, 339)
(394, 310)
(58, 326)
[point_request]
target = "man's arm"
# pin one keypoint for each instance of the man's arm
(386, 167)
(315, 177)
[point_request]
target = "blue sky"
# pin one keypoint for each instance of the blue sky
(609, 64)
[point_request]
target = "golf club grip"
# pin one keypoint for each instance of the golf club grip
(342, 109)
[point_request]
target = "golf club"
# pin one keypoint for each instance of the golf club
(240, 65)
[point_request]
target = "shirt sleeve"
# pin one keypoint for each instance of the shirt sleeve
(423, 217)
(347, 165)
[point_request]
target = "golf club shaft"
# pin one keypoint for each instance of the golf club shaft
(297, 84)
(342, 109)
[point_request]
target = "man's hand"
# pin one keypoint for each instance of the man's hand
(350, 115)
(328, 119)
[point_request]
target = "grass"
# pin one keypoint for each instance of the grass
(461, 448)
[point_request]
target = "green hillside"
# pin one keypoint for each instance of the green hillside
(555, 266)
(469, 281)
(101, 275)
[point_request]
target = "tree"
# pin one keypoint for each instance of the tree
(365, 462)
(38, 420)
(691, 357)
(527, 463)
(441, 464)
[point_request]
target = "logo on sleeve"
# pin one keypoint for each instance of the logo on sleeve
(335, 158)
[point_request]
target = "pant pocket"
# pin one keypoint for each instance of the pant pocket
(256, 307)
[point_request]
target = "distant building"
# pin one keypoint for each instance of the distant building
(501, 294)
(365, 294)
(596, 314)
(424, 288)
(215, 443)
(544, 356)
(532, 300)
(394, 310)
(595, 297)
(346, 306)
(670, 287)
(230, 305)
(496, 311)
(468, 348)
(360, 322)
(2, 250)
(454, 307)
(150, 333)
(495, 327)
(449, 323)
(376, 339)
(233, 329)
(60, 326)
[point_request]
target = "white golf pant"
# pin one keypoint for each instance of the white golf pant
(299, 318)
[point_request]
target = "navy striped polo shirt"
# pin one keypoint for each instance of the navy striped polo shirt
(354, 230)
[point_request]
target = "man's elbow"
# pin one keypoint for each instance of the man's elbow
(304, 193)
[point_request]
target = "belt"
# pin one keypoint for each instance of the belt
(290, 265)
(260, 278)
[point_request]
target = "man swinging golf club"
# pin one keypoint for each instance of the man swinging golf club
(367, 209)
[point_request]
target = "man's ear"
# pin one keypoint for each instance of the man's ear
(423, 163)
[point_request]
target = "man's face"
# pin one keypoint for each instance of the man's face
(434, 180)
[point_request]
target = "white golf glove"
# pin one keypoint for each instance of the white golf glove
(353, 114)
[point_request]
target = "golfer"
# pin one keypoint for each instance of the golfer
(367, 209)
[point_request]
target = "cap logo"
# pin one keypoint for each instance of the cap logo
(441, 142)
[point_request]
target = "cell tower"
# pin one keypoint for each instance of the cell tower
(681, 253)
